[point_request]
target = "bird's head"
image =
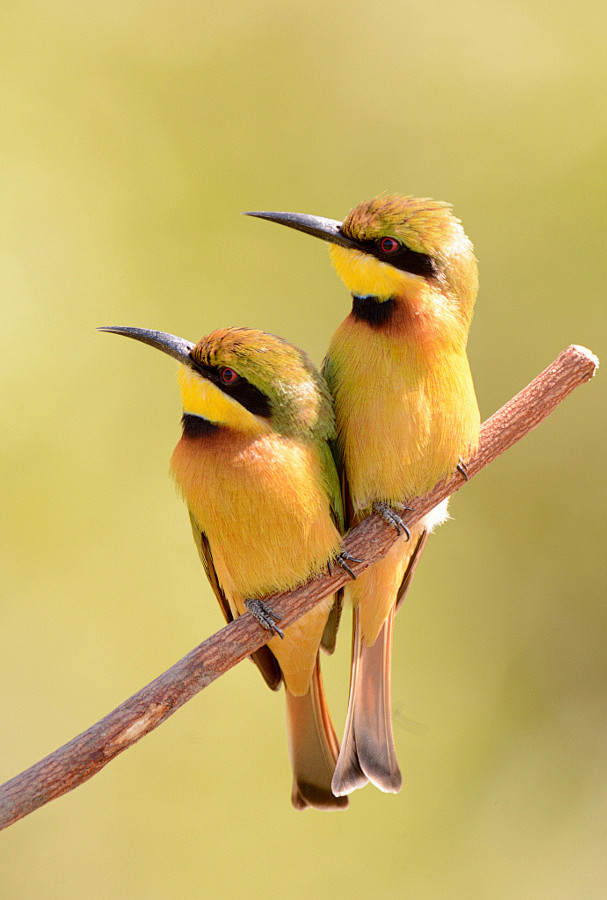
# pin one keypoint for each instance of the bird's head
(396, 247)
(244, 380)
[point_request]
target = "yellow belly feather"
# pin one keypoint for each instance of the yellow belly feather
(403, 420)
(261, 505)
(405, 413)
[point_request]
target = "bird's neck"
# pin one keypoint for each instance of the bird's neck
(424, 319)
(372, 310)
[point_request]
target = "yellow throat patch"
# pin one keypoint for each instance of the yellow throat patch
(369, 277)
(200, 397)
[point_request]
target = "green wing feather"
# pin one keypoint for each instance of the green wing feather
(331, 477)
(333, 487)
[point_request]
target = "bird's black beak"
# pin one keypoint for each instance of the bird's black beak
(176, 347)
(317, 226)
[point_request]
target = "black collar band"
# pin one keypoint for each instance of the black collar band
(372, 310)
(196, 426)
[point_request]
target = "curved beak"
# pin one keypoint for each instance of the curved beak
(317, 226)
(176, 347)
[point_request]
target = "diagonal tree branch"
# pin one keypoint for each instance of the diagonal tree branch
(86, 754)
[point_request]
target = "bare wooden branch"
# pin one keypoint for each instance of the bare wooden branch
(86, 754)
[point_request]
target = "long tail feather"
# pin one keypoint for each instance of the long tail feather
(348, 774)
(313, 748)
(368, 752)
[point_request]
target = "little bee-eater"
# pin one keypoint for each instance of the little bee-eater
(406, 416)
(256, 472)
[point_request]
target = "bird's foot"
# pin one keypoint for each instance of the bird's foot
(462, 468)
(264, 615)
(342, 559)
(391, 517)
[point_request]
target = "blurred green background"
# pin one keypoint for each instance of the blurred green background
(132, 136)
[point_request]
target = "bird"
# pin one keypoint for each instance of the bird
(406, 417)
(254, 467)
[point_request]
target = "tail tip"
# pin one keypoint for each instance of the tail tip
(347, 779)
(312, 796)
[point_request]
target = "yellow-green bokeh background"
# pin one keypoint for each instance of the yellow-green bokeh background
(132, 135)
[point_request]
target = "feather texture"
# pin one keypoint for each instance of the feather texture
(406, 413)
(265, 506)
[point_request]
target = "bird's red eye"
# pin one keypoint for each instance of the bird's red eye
(389, 245)
(228, 376)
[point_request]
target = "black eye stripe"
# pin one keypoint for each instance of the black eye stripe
(241, 390)
(404, 259)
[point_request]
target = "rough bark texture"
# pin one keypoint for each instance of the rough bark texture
(87, 753)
